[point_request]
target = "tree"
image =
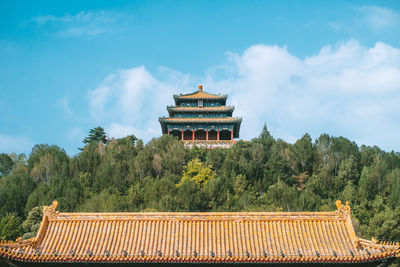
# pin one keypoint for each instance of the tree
(6, 164)
(385, 225)
(14, 192)
(393, 179)
(39, 151)
(34, 217)
(239, 185)
(32, 222)
(308, 201)
(107, 200)
(10, 227)
(323, 146)
(162, 175)
(197, 172)
(96, 135)
(304, 154)
(373, 179)
(265, 137)
(349, 171)
(282, 196)
(48, 166)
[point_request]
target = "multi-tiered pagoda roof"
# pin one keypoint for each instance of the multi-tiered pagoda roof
(202, 118)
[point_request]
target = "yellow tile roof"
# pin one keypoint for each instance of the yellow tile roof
(201, 237)
(200, 95)
(208, 119)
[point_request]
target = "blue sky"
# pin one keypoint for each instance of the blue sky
(299, 66)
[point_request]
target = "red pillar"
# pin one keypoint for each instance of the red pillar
(218, 135)
(182, 135)
(207, 135)
(193, 135)
(231, 134)
(169, 132)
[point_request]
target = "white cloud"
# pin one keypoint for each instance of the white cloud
(117, 130)
(347, 89)
(131, 100)
(18, 144)
(90, 23)
(379, 18)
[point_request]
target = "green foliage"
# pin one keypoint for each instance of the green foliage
(304, 153)
(373, 179)
(385, 225)
(96, 135)
(32, 223)
(10, 227)
(282, 196)
(6, 164)
(44, 153)
(14, 192)
(107, 200)
(239, 186)
(393, 180)
(264, 174)
(34, 217)
(197, 172)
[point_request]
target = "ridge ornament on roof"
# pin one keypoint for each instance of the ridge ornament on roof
(197, 237)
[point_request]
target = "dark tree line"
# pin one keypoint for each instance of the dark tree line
(264, 174)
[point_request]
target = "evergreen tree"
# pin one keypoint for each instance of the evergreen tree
(98, 134)
(264, 174)
(10, 227)
(6, 164)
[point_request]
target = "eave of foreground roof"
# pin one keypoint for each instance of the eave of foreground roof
(198, 237)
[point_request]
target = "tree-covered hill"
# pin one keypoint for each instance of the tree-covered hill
(264, 174)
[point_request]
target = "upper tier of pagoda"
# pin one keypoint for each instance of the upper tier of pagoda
(201, 117)
(200, 94)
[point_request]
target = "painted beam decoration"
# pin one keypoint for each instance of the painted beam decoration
(202, 119)
(197, 237)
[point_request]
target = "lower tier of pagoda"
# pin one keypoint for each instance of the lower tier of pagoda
(203, 135)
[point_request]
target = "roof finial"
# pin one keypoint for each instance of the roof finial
(51, 211)
(345, 209)
(200, 88)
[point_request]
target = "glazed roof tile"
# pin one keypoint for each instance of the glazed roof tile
(252, 237)
(200, 95)
(220, 108)
(197, 119)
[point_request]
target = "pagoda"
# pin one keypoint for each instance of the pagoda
(202, 119)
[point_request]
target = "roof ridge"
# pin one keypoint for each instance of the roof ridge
(201, 93)
(51, 212)
(65, 238)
